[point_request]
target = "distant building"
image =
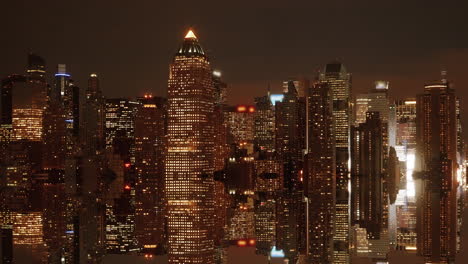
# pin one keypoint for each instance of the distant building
(93, 136)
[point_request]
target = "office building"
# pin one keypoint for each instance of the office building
(436, 184)
(189, 162)
(319, 175)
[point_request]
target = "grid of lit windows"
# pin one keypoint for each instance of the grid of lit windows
(189, 162)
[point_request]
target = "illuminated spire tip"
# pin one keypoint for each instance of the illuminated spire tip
(190, 35)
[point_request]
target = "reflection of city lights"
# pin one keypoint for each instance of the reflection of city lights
(275, 253)
(241, 108)
(276, 98)
(460, 176)
(242, 243)
(410, 160)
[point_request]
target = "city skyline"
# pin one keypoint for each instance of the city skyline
(374, 44)
(241, 150)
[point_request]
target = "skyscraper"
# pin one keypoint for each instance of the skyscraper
(264, 124)
(65, 93)
(220, 122)
(436, 183)
(189, 161)
(367, 179)
(289, 136)
(339, 81)
(120, 132)
(406, 149)
(25, 100)
(93, 118)
(301, 84)
(368, 200)
(240, 122)
(375, 100)
(36, 66)
(319, 175)
(289, 146)
(149, 163)
(9, 85)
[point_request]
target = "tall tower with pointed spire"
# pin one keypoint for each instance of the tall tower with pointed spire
(189, 164)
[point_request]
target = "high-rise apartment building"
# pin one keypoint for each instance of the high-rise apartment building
(189, 161)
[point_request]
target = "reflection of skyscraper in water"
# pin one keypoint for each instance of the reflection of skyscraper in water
(436, 182)
(338, 79)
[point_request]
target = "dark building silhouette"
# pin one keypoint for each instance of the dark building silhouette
(436, 186)
(319, 175)
(149, 163)
(367, 175)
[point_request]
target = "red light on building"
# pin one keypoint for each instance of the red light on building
(127, 165)
(241, 108)
(127, 187)
(242, 243)
(251, 109)
(252, 242)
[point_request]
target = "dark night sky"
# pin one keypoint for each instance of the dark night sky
(130, 43)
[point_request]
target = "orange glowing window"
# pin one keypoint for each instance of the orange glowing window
(127, 187)
(241, 108)
(252, 242)
(251, 109)
(242, 243)
(127, 165)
